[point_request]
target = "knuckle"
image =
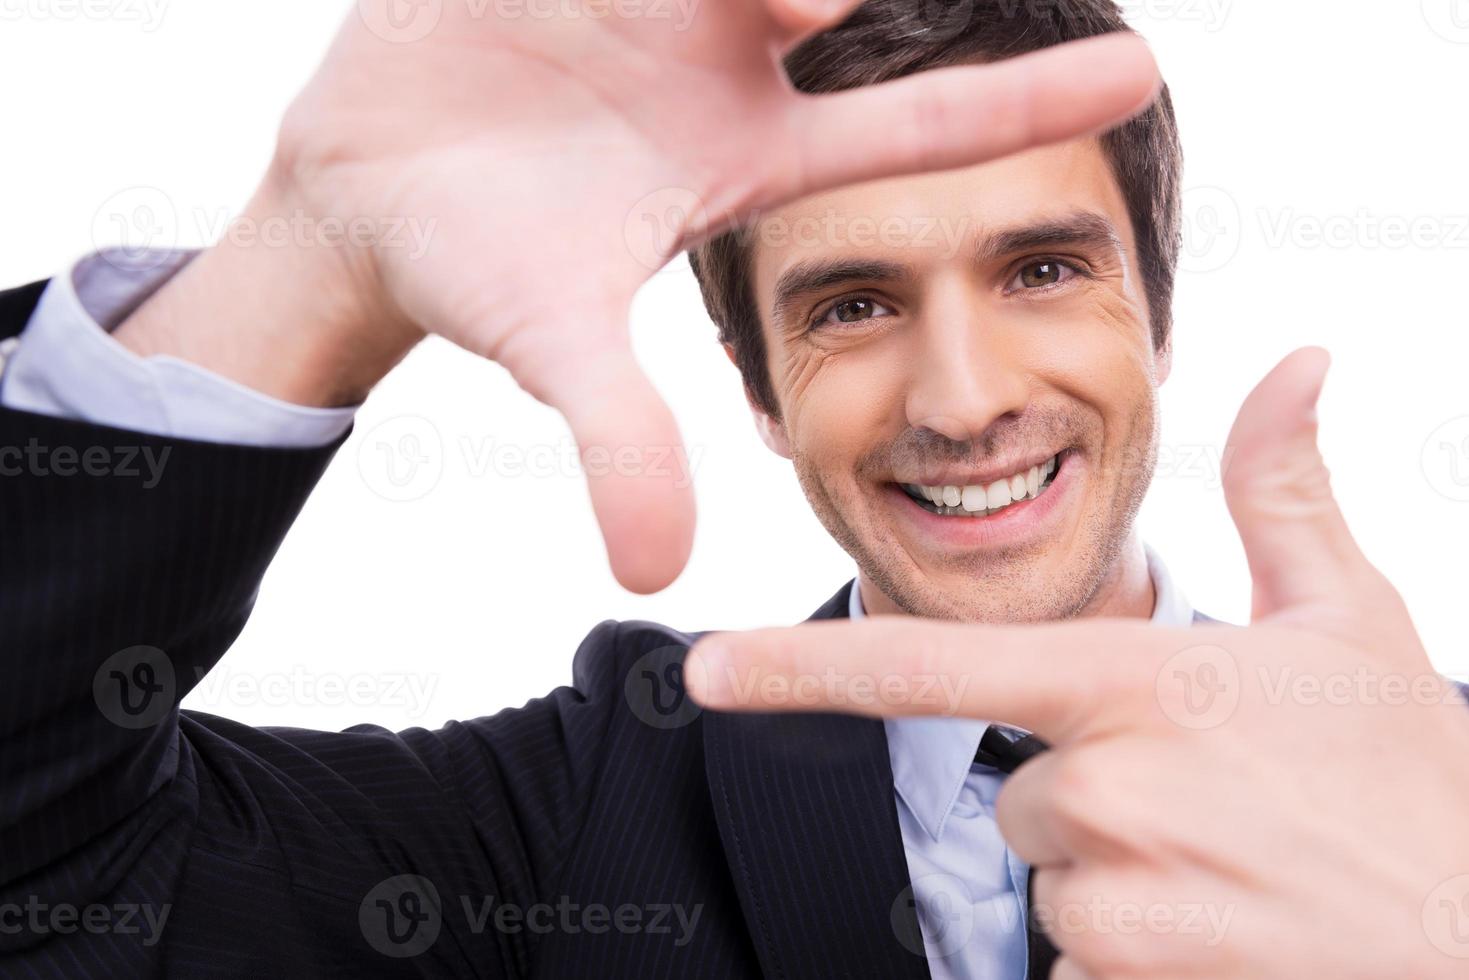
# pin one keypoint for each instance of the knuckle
(1082, 793)
(921, 652)
(929, 124)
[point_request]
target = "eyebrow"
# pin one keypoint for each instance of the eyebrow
(1083, 229)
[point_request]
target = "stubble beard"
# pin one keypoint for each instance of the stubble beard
(1009, 587)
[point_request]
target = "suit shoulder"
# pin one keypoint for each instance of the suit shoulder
(614, 647)
(17, 305)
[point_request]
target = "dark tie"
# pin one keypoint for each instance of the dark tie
(1006, 749)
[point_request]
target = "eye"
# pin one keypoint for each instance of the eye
(853, 309)
(1042, 273)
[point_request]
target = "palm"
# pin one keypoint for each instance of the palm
(559, 163)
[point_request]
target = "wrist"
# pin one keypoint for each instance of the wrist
(287, 303)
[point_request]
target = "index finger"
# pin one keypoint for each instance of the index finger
(637, 470)
(1053, 679)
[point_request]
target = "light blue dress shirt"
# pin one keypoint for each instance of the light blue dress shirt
(970, 890)
(66, 364)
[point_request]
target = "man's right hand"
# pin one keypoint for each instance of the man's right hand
(542, 152)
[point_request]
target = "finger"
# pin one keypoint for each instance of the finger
(802, 17)
(1134, 920)
(1299, 547)
(638, 472)
(1055, 679)
(952, 117)
(1094, 801)
(1067, 969)
(1023, 814)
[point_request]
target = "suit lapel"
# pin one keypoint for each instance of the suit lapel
(809, 825)
(16, 307)
(1042, 952)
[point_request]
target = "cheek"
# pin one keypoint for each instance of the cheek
(1098, 351)
(839, 405)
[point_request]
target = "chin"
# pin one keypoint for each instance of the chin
(1000, 589)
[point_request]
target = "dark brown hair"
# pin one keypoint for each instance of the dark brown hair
(887, 39)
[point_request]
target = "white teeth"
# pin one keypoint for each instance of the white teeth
(982, 500)
(998, 494)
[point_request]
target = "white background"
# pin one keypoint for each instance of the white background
(1336, 115)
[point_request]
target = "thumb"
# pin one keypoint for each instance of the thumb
(966, 114)
(803, 17)
(638, 472)
(1278, 489)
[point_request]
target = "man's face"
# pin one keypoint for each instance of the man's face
(981, 337)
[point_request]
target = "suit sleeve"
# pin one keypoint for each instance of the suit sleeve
(128, 565)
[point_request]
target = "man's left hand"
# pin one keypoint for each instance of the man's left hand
(1283, 800)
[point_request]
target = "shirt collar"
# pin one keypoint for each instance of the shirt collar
(931, 757)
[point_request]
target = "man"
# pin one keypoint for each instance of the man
(590, 833)
(606, 830)
(970, 403)
(906, 378)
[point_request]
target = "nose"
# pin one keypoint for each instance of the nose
(967, 374)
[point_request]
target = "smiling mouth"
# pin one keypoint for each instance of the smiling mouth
(990, 498)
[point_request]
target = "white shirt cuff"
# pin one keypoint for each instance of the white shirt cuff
(67, 365)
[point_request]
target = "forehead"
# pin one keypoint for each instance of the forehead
(942, 217)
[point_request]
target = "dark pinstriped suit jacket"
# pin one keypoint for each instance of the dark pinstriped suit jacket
(278, 853)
